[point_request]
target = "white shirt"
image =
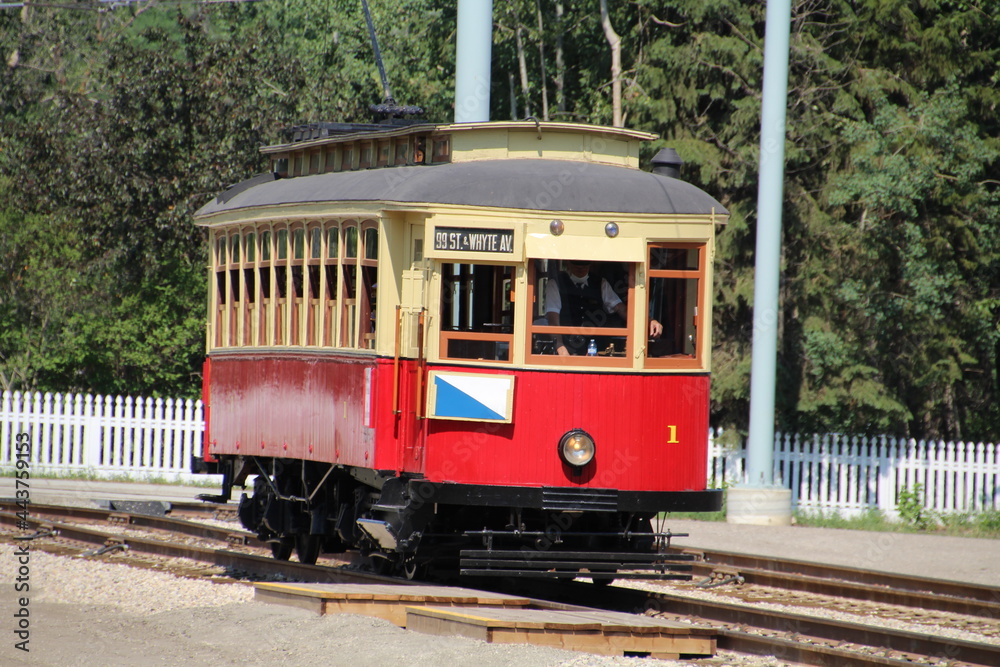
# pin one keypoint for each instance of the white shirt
(553, 300)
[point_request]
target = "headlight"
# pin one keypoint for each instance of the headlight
(577, 448)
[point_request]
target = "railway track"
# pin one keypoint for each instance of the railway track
(721, 568)
(238, 553)
(792, 636)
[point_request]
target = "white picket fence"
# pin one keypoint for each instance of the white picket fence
(104, 436)
(850, 475)
(146, 438)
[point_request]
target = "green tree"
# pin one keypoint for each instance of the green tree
(920, 289)
(180, 115)
(851, 357)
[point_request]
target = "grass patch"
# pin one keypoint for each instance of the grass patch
(985, 524)
(695, 516)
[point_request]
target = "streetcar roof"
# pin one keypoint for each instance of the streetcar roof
(529, 184)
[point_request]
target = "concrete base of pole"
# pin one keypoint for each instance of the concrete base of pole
(759, 506)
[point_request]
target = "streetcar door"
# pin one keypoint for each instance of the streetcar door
(413, 296)
(411, 351)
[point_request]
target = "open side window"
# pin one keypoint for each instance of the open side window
(369, 284)
(310, 284)
(675, 286)
(477, 317)
(575, 303)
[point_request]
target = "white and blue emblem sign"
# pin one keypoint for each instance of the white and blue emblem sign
(470, 396)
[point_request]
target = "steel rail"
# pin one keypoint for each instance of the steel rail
(827, 631)
(854, 583)
(169, 524)
(261, 566)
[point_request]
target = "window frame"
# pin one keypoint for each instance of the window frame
(533, 299)
(287, 292)
(679, 361)
(250, 287)
(445, 336)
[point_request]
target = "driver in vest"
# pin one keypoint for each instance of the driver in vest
(575, 299)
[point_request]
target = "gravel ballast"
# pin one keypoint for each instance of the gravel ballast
(91, 613)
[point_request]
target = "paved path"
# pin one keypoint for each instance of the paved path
(956, 558)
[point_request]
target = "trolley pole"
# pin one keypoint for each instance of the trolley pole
(474, 51)
(758, 500)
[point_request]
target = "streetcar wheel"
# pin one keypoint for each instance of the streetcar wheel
(410, 568)
(307, 547)
(282, 549)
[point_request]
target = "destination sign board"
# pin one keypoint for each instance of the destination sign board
(474, 239)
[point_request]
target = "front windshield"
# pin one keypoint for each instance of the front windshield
(581, 308)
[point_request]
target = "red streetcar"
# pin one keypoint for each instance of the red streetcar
(476, 345)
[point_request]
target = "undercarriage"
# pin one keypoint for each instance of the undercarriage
(405, 525)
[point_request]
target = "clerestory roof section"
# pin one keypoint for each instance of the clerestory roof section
(530, 184)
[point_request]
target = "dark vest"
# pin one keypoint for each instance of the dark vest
(581, 307)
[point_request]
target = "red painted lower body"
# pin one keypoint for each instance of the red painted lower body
(650, 430)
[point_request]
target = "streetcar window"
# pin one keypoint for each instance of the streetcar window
(349, 312)
(371, 243)
(250, 280)
(313, 306)
(402, 152)
(296, 304)
(367, 312)
(330, 304)
(265, 246)
(351, 242)
(367, 315)
(581, 313)
(220, 308)
(250, 312)
(477, 317)
(291, 290)
(233, 297)
(332, 242)
(442, 150)
(315, 243)
(251, 252)
(281, 239)
(675, 282)
(264, 312)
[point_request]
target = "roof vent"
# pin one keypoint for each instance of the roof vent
(667, 163)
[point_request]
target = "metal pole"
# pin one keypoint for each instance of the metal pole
(386, 92)
(472, 61)
(770, 192)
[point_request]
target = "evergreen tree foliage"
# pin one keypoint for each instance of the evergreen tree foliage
(115, 126)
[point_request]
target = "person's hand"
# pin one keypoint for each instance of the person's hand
(562, 351)
(655, 329)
